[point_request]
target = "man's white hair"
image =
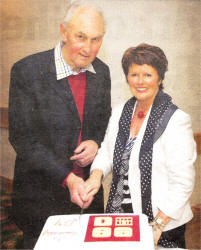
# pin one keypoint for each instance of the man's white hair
(81, 4)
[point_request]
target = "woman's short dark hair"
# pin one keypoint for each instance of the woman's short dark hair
(145, 54)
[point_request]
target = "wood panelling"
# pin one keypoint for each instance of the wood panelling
(4, 124)
(197, 138)
(3, 117)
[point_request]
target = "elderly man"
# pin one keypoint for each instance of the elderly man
(58, 112)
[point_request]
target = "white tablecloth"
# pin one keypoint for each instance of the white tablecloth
(63, 231)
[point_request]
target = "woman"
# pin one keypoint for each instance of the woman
(154, 176)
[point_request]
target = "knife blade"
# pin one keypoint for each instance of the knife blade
(81, 212)
(82, 209)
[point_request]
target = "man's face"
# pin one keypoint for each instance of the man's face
(82, 38)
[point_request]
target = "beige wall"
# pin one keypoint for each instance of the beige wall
(28, 26)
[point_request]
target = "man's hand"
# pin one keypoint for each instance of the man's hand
(75, 185)
(85, 153)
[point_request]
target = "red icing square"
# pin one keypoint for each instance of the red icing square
(113, 228)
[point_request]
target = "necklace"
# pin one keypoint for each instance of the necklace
(140, 114)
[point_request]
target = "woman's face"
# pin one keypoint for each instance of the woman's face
(144, 82)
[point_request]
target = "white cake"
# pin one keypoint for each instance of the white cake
(96, 232)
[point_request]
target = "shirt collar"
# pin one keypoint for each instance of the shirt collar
(62, 68)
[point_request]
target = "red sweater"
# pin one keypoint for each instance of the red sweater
(78, 87)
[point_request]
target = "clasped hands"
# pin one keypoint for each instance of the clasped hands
(82, 192)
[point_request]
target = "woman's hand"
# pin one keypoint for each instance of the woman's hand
(157, 231)
(160, 221)
(92, 185)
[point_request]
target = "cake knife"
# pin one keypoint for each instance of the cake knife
(81, 212)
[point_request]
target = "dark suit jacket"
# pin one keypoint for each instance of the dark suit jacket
(44, 127)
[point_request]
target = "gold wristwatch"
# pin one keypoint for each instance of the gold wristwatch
(159, 221)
